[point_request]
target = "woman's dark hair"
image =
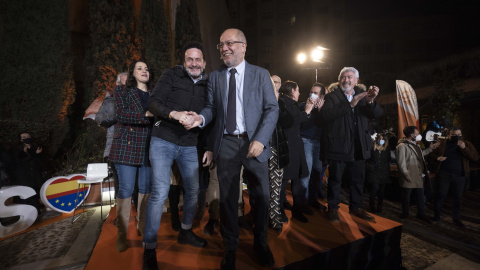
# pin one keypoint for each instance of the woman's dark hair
(287, 88)
(409, 130)
(131, 81)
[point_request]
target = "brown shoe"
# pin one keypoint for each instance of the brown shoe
(333, 215)
(362, 214)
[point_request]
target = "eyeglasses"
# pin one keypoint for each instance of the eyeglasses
(228, 43)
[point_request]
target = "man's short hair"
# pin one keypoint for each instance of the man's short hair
(347, 69)
(322, 88)
(193, 44)
(407, 131)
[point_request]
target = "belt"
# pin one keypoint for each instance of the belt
(243, 135)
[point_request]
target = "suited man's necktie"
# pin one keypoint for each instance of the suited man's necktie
(231, 124)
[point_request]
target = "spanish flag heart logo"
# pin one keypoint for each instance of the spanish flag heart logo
(60, 193)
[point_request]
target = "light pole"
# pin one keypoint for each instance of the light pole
(315, 57)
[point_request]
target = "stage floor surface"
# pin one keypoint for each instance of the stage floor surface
(298, 241)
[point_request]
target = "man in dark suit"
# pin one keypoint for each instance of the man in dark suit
(242, 101)
(346, 112)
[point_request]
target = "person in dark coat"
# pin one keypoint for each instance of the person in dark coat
(129, 151)
(378, 171)
(298, 168)
(346, 114)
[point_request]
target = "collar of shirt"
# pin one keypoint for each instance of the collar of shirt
(350, 97)
(196, 80)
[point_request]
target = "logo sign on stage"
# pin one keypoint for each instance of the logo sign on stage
(28, 214)
(60, 193)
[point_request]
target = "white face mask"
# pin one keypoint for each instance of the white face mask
(381, 142)
(418, 138)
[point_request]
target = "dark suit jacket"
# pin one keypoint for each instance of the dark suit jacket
(260, 106)
(339, 136)
(130, 140)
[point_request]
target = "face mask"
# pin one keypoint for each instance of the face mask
(455, 138)
(381, 142)
(27, 140)
(418, 138)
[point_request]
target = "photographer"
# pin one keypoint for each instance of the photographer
(27, 158)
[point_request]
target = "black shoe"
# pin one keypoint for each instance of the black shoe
(243, 222)
(228, 261)
(362, 214)
(404, 216)
(424, 218)
(149, 260)
(318, 206)
(287, 205)
(284, 218)
(458, 222)
(333, 215)
(298, 214)
(209, 229)
(264, 254)
(306, 210)
(188, 237)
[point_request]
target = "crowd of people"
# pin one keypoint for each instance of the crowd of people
(241, 125)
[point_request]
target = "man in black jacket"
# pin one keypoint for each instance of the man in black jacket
(180, 89)
(346, 112)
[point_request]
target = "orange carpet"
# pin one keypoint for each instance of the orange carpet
(298, 241)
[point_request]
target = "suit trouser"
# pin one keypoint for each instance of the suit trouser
(445, 181)
(356, 175)
(231, 157)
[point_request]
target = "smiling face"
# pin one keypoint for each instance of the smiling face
(348, 81)
(234, 54)
(141, 73)
(194, 63)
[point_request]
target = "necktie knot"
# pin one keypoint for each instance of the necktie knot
(233, 71)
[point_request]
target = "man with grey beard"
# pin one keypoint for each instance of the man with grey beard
(346, 113)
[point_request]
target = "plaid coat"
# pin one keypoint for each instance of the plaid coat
(131, 138)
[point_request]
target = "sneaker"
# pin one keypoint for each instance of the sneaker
(362, 214)
(458, 222)
(149, 260)
(333, 215)
(188, 237)
(209, 229)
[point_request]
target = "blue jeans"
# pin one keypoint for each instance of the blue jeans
(162, 155)
(126, 179)
(312, 154)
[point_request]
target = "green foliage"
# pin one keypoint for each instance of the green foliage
(88, 147)
(36, 86)
(153, 37)
(187, 26)
(111, 28)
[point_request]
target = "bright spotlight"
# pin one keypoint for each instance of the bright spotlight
(301, 58)
(317, 55)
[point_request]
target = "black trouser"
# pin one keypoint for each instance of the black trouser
(377, 190)
(418, 193)
(356, 175)
(445, 180)
(231, 157)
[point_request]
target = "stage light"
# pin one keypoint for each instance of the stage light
(301, 58)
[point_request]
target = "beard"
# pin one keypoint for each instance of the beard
(194, 72)
(346, 86)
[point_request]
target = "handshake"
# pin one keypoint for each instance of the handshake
(188, 119)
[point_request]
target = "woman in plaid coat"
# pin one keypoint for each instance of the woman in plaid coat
(130, 145)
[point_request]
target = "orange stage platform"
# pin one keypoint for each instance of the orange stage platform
(319, 244)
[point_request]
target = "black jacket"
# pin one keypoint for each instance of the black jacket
(298, 167)
(176, 91)
(279, 138)
(378, 166)
(339, 136)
